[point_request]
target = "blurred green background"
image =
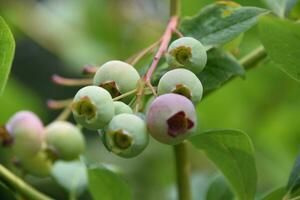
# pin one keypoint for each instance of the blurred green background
(61, 36)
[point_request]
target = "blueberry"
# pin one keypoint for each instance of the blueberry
(117, 77)
(26, 130)
(93, 107)
(171, 118)
(183, 82)
(121, 107)
(65, 140)
(187, 52)
(126, 135)
(38, 165)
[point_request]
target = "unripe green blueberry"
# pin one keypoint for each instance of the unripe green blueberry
(121, 107)
(171, 118)
(183, 82)
(117, 77)
(93, 107)
(26, 130)
(65, 140)
(38, 165)
(187, 52)
(126, 135)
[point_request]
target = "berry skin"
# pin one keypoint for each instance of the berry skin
(126, 135)
(121, 107)
(117, 77)
(39, 165)
(183, 82)
(171, 118)
(93, 107)
(26, 130)
(187, 52)
(65, 140)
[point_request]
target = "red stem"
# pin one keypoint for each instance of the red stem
(59, 80)
(163, 46)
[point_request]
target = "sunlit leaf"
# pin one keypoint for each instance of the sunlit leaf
(106, 185)
(220, 22)
(7, 50)
(277, 194)
(281, 39)
(232, 152)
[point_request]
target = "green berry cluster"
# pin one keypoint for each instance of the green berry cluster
(123, 132)
(106, 107)
(170, 117)
(37, 147)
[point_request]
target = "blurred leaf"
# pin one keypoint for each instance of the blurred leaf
(220, 22)
(6, 193)
(220, 67)
(293, 186)
(295, 11)
(281, 38)
(19, 97)
(106, 185)
(277, 194)
(219, 190)
(7, 50)
(71, 175)
(232, 152)
(280, 7)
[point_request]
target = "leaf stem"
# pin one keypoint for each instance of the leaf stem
(183, 171)
(253, 58)
(18, 184)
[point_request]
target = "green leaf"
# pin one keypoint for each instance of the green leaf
(232, 152)
(71, 175)
(280, 7)
(281, 39)
(220, 67)
(220, 22)
(219, 190)
(7, 50)
(293, 186)
(106, 185)
(277, 194)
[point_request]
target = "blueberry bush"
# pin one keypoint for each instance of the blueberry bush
(154, 96)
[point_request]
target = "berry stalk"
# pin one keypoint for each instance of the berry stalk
(166, 38)
(183, 171)
(18, 184)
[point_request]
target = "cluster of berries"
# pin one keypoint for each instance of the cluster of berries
(37, 147)
(170, 118)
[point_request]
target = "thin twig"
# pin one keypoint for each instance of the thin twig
(137, 57)
(71, 81)
(89, 70)
(163, 46)
(19, 185)
(178, 33)
(125, 95)
(58, 104)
